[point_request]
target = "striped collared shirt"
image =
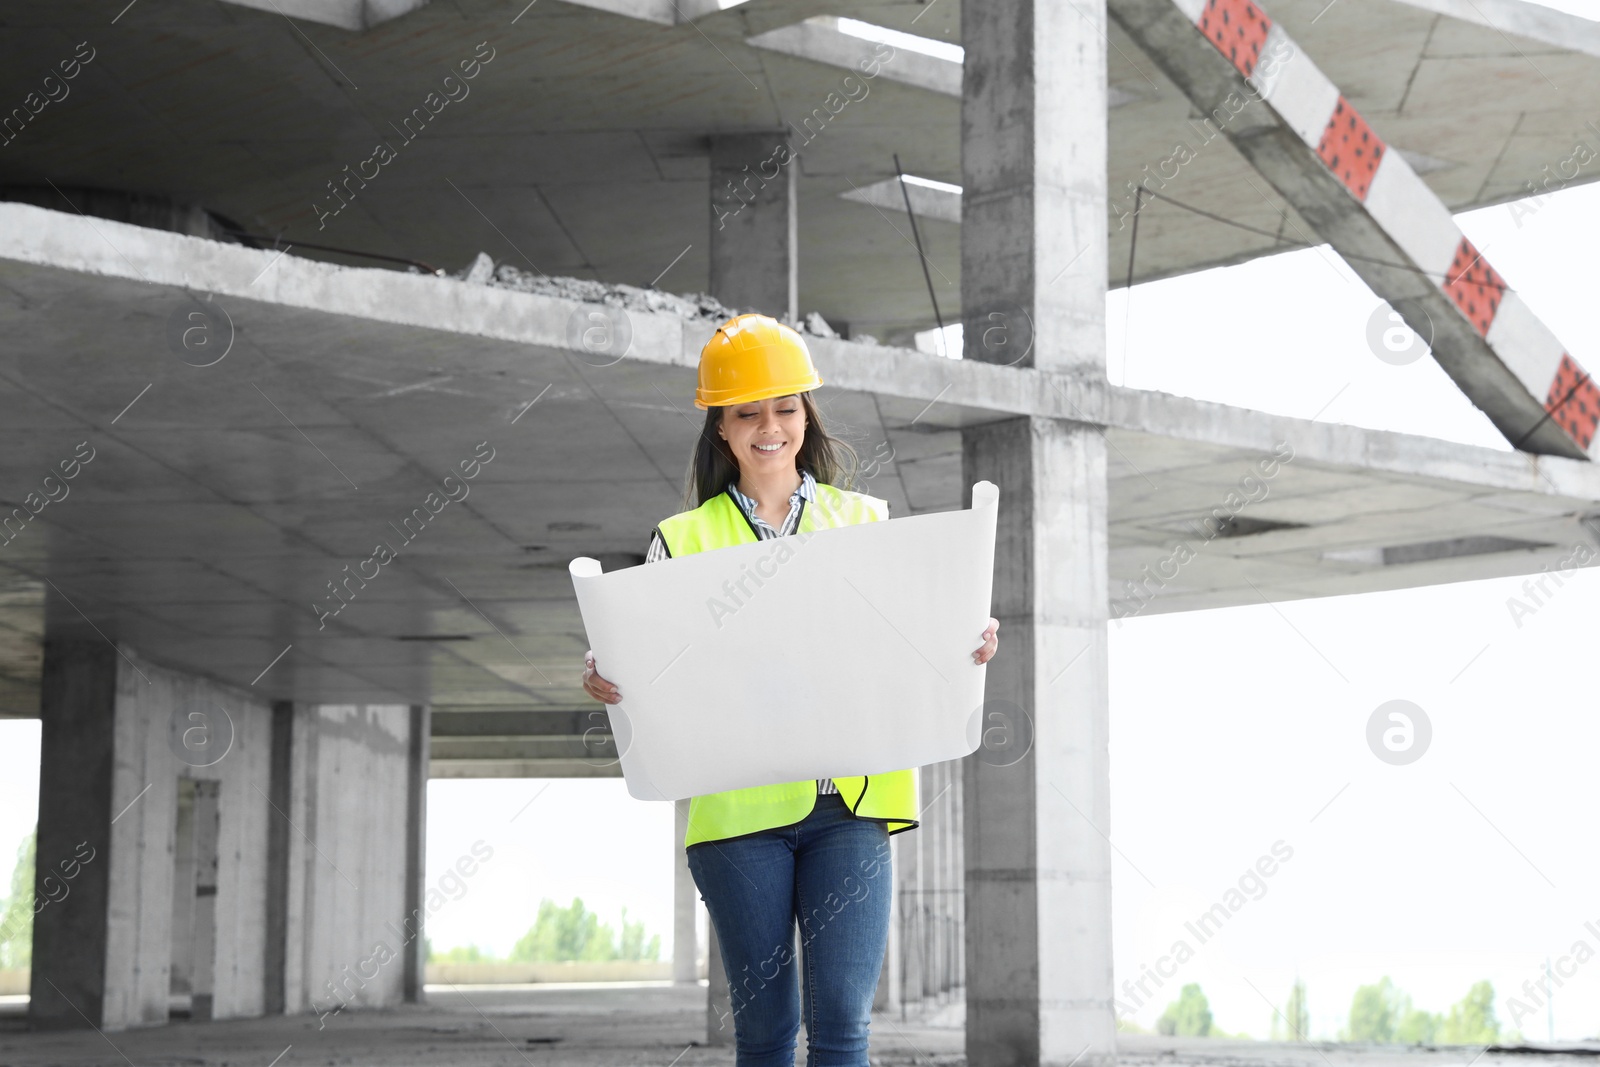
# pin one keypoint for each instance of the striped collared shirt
(807, 492)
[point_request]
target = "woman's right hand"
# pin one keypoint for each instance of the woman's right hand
(597, 686)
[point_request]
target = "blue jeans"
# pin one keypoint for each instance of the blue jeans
(831, 872)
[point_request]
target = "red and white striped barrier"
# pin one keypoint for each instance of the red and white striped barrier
(1503, 357)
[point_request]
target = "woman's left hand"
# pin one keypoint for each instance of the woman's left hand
(991, 642)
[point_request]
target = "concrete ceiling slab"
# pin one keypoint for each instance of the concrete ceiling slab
(207, 529)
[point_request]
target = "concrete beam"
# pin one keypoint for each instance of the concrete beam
(820, 40)
(1535, 22)
(508, 722)
(516, 743)
(523, 768)
(353, 15)
(940, 202)
(540, 749)
(742, 18)
(1295, 126)
(1351, 447)
(662, 12)
(690, 10)
(962, 392)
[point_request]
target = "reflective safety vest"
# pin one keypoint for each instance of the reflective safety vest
(887, 798)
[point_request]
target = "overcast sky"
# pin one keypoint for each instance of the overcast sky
(1233, 730)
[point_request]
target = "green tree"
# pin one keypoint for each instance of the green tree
(1471, 1021)
(633, 945)
(16, 910)
(460, 954)
(575, 933)
(1384, 1015)
(1188, 1016)
(1294, 1023)
(570, 933)
(1375, 1011)
(1416, 1027)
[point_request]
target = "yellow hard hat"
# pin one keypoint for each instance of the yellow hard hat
(753, 357)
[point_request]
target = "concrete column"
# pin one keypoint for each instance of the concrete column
(415, 951)
(941, 851)
(304, 812)
(955, 876)
(203, 936)
(275, 963)
(153, 842)
(77, 710)
(754, 236)
(910, 871)
(1038, 870)
(886, 998)
(355, 859)
(719, 1002)
(1033, 251)
(685, 903)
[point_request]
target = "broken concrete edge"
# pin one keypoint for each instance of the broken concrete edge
(1341, 446)
(975, 391)
(948, 393)
(1533, 22)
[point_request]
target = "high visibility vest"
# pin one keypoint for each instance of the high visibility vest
(887, 798)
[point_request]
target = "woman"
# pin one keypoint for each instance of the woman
(816, 851)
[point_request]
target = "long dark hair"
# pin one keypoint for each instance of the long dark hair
(712, 468)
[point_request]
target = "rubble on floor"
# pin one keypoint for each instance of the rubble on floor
(484, 271)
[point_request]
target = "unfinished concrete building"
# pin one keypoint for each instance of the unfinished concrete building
(248, 334)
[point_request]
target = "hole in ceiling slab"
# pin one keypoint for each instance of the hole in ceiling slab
(1245, 526)
(1211, 527)
(867, 31)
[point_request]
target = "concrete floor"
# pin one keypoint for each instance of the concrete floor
(646, 1023)
(584, 1026)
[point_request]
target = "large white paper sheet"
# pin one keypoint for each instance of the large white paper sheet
(843, 652)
